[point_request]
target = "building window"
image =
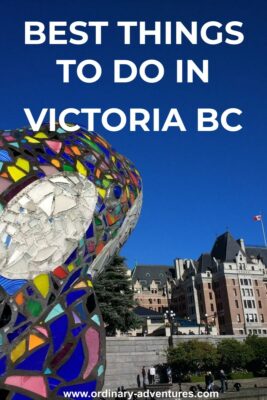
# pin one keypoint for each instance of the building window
(255, 318)
(150, 301)
(159, 301)
(260, 305)
(210, 294)
(235, 292)
(238, 318)
(212, 307)
(209, 285)
(252, 267)
(262, 318)
(241, 281)
(236, 304)
(233, 280)
(258, 292)
(256, 282)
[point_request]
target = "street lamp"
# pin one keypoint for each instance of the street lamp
(170, 316)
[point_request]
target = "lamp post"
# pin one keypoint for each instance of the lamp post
(170, 315)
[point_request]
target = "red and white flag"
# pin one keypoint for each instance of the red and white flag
(257, 217)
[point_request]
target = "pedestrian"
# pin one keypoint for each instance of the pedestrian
(206, 380)
(138, 381)
(210, 381)
(152, 372)
(149, 377)
(144, 376)
(169, 374)
(222, 378)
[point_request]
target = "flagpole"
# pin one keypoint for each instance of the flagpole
(263, 231)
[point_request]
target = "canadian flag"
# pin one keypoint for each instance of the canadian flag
(257, 217)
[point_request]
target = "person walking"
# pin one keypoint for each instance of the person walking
(169, 374)
(144, 376)
(152, 372)
(222, 378)
(210, 381)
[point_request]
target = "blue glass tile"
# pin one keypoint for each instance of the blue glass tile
(11, 286)
(53, 383)
(117, 191)
(72, 279)
(73, 366)
(76, 331)
(73, 296)
(71, 258)
(18, 396)
(67, 157)
(4, 156)
(20, 318)
(49, 151)
(30, 290)
(35, 361)
(11, 336)
(42, 160)
(90, 231)
(3, 365)
(59, 329)
(80, 311)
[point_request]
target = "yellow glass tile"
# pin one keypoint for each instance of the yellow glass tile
(35, 341)
(70, 267)
(41, 135)
(80, 168)
(127, 191)
(31, 139)
(15, 173)
(113, 159)
(89, 283)
(55, 162)
(79, 285)
(18, 351)
(42, 284)
(102, 192)
(109, 177)
(23, 164)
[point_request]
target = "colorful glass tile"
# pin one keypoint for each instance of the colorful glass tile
(72, 195)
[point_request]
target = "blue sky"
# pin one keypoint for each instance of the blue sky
(196, 185)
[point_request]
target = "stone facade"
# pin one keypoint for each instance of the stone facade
(127, 355)
(227, 287)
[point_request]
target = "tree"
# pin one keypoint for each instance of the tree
(234, 354)
(115, 298)
(193, 356)
(258, 363)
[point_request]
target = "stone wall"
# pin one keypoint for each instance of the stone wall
(127, 355)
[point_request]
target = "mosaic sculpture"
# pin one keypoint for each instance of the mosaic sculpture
(68, 202)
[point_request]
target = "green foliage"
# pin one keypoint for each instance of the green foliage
(115, 298)
(258, 363)
(193, 356)
(196, 357)
(197, 378)
(234, 354)
(241, 375)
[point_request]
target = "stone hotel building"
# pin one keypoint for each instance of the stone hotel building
(227, 287)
